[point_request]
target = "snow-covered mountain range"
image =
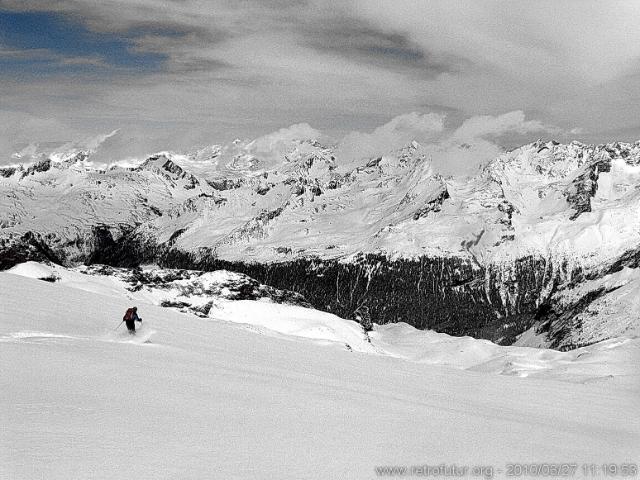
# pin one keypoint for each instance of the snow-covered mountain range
(545, 239)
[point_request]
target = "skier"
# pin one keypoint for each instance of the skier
(130, 318)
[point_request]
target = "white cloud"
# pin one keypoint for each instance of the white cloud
(17, 131)
(280, 140)
(496, 126)
(460, 150)
(473, 144)
(458, 159)
(393, 135)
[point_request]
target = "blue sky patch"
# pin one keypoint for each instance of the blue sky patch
(41, 43)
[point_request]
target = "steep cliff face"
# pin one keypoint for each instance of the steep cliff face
(487, 256)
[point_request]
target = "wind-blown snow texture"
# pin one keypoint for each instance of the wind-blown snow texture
(210, 398)
(488, 255)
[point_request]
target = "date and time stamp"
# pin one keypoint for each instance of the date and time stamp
(513, 470)
(570, 469)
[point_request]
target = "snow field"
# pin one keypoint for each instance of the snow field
(207, 399)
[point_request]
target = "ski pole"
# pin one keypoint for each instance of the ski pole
(118, 325)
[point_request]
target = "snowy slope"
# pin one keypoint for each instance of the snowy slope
(595, 363)
(221, 295)
(262, 310)
(208, 399)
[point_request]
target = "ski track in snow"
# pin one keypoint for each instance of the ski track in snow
(142, 337)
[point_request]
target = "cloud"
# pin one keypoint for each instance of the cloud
(49, 56)
(452, 150)
(479, 139)
(91, 60)
(460, 159)
(395, 134)
(243, 69)
(8, 53)
(95, 144)
(496, 126)
(125, 146)
(578, 37)
(16, 130)
(359, 41)
(283, 137)
(56, 151)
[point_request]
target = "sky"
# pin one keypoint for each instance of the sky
(172, 74)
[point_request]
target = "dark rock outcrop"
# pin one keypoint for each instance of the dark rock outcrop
(585, 186)
(6, 172)
(41, 166)
(434, 205)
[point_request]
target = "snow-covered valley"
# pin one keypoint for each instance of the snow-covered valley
(245, 396)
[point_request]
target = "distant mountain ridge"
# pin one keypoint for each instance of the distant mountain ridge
(485, 255)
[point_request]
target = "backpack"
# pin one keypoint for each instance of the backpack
(128, 315)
